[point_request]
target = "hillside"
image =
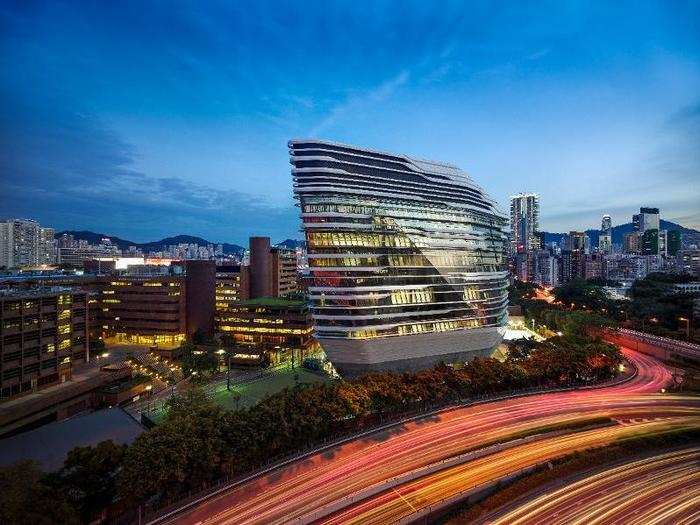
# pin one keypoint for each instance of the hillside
(689, 235)
(123, 244)
(291, 244)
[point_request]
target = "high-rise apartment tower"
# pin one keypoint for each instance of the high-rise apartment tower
(525, 238)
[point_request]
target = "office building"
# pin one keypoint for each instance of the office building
(577, 241)
(159, 310)
(24, 243)
(273, 271)
(271, 325)
(650, 242)
(406, 258)
(648, 219)
(573, 258)
(232, 283)
(673, 243)
(43, 333)
(605, 237)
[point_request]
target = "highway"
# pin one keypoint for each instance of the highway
(343, 477)
(660, 489)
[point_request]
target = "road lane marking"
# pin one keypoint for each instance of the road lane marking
(405, 500)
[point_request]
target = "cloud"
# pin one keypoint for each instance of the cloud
(68, 169)
(359, 102)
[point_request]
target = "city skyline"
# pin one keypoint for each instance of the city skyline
(144, 131)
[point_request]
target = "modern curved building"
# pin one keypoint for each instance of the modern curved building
(406, 258)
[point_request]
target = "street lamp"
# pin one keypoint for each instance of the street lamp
(228, 367)
(687, 327)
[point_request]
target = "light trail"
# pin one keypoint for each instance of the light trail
(431, 490)
(342, 474)
(661, 489)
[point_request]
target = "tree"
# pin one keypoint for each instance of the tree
(26, 498)
(97, 345)
(520, 291)
(182, 453)
(198, 360)
(88, 477)
(656, 307)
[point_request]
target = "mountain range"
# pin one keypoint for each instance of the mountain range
(689, 236)
(154, 246)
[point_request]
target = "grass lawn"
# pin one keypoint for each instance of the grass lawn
(254, 391)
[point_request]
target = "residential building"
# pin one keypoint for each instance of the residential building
(663, 242)
(524, 234)
(547, 269)
(573, 259)
(77, 254)
(593, 266)
(43, 333)
(687, 288)
(24, 243)
(406, 258)
(631, 243)
(688, 261)
(524, 221)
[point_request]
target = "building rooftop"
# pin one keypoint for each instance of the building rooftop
(49, 445)
(274, 301)
(43, 291)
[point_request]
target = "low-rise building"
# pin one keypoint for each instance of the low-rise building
(159, 310)
(43, 332)
(688, 261)
(267, 323)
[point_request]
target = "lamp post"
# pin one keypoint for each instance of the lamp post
(221, 352)
(228, 372)
(687, 327)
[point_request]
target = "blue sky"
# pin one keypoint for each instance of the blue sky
(146, 119)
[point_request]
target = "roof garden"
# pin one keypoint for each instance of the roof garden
(275, 302)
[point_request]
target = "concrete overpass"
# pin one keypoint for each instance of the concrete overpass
(662, 348)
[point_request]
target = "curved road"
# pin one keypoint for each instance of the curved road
(660, 489)
(344, 476)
